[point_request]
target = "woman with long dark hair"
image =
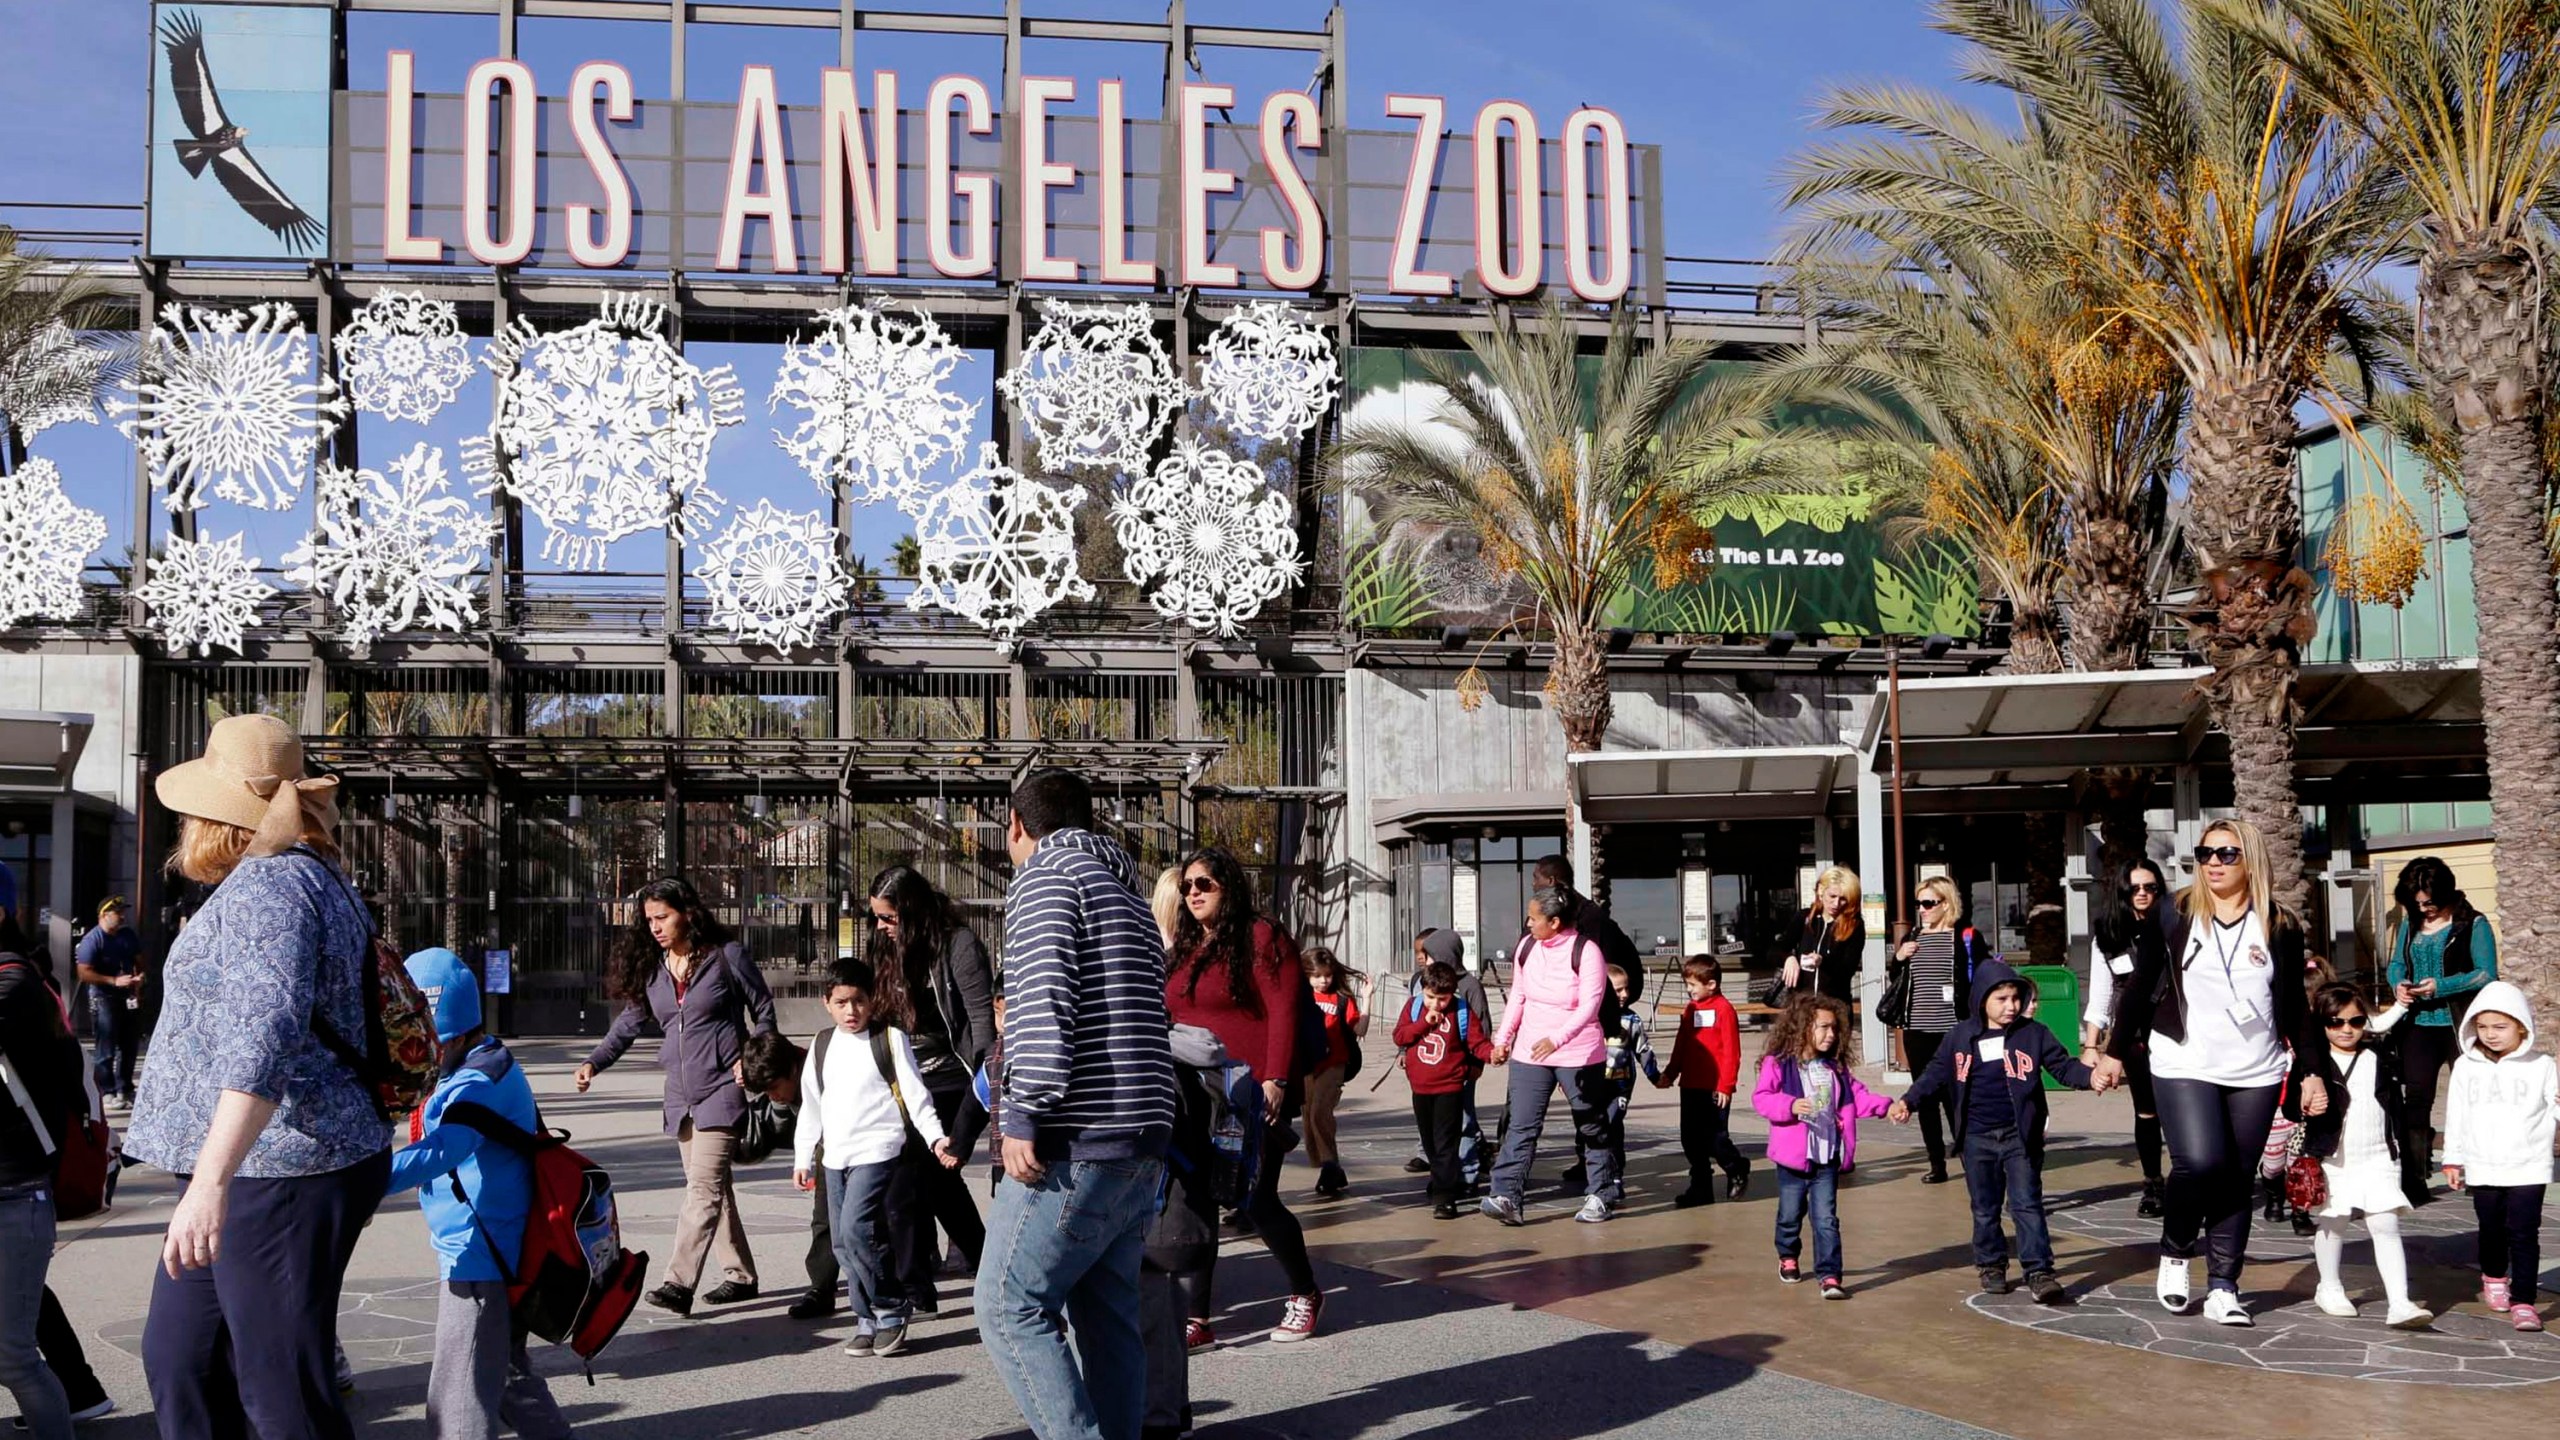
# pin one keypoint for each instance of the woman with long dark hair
(2442, 952)
(2131, 932)
(2216, 1016)
(935, 984)
(682, 971)
(1237, 974)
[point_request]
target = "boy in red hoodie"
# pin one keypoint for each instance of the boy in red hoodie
(1445, 1045)
(1706, 1061)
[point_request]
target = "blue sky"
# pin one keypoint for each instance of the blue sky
(1724, 89)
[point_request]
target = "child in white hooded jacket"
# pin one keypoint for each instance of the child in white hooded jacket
(2499, 1115)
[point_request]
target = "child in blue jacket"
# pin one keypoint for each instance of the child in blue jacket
(475, 1193)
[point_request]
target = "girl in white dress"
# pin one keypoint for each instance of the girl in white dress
(2346, 1089)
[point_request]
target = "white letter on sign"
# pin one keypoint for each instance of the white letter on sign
(941, 186)
(612, 245)
(1199, 182)
(1285, 110)
(1404, 276)
(399, 125)
(759, 130)
(478, 93)
(871, 171)
(1040, 175)
(1616, 212)
(1117, 268)
(1493, 256)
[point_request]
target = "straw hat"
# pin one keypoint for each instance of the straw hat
(251, 776)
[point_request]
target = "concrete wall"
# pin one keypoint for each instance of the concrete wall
(107, 688)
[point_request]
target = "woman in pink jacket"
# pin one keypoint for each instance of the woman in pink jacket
(1553, 1018)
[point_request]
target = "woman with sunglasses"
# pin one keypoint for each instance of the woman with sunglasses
(1942, 955)
(2217, 1017)
(2131, 934)
(935, 984)
(1237, 974)
(2441, 954)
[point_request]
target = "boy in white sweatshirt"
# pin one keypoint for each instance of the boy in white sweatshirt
(2498, 1120)
(857, 1084)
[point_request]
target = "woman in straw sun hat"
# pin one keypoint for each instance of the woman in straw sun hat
(278, 1143)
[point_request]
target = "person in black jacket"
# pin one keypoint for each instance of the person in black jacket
(2217, 1015)
(1833, 944)
(935, 984)
(1592, 922)
(2130, 934)
(43, 1069)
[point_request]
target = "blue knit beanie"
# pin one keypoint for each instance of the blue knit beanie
(451, 988)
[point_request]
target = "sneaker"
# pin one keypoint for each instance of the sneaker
(98, 1411)
(1832, 1289)
(1197, 1336)
(1504, 1209)
(729, 1292)
(889, 1339)
(1789, 1272)
(1693, 1197)
(2494, 1293)
(813, 1305)
(2046, 1287)
(1298, 1318)
(1417, 1166)
(2304, 1224)
(2524, 1317)
(1594, 1211)
(2410, 1315)
(2150, 1208)
(1445, 1210)
(1737, 1184)
(860, 1344)
(345, 1372)
(2223, 1307)
(673, 1298)
(2174, 1287)
(2332, 1300)
(1331, 1182)
(1994, 1278)
(1935, 1177)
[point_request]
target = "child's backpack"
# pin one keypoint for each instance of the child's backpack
(1236, 1133)
(880, 1056)
(398, 1063)
(1315, 1036)
(572, 1284)
(1458, 1013)
(85, 1154)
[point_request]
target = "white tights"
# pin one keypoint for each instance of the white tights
(2329, 1247)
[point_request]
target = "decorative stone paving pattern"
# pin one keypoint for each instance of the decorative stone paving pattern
(2440, 1233)
(2462, 1349)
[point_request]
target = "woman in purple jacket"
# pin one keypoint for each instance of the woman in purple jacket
(682, 971)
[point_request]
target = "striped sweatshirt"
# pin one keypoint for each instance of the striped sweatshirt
(1088, 1062)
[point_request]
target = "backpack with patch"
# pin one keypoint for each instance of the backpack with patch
(398, 1061)
(1237, 1128)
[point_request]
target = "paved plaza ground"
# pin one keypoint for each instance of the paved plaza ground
(1662, 1322)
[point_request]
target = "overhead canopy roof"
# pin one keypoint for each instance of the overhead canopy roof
(39, 749)
(1636, 786)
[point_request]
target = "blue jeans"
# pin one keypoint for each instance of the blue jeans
(1818, 1187)
(1996, 1164)
(115, 1031)
(1587, 1095)
(1470, 1134)
(858, 1217)
(1063, 1251)
(26, 1249)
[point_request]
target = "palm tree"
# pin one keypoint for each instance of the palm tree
(1576, 481)
(45, 362)
(2459, 99)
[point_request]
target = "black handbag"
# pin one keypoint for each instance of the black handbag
(1893, 1003)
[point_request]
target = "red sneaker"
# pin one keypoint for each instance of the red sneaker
(1298, 1318)
(1197, 1336)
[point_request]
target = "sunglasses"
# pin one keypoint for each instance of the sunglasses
(2217, 854)
(2347, 1022)
(883, 922)
(1199, 885)
(1928, 903)
(2145, 887)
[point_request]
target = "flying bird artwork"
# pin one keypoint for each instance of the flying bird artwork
(221, 143)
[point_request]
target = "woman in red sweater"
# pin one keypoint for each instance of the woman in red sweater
(1237, 974)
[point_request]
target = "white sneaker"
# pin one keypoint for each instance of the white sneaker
(2224, 1308)
(2174, 1286)
(2410, 1315)
(1594, 1211)
(2332, 1300)
(99, 1411)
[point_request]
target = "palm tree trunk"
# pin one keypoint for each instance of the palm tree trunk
(2482, 353)
(2124, 827)
(2111, 630)
(2245, 518)
(1580, 692)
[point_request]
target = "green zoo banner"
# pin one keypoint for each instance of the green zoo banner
(1817, 565)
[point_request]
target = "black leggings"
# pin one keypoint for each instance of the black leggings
(2146, 1115)
(2424, 1052)
(2216, 1135)
(1278, 1228)
(1938, 1114)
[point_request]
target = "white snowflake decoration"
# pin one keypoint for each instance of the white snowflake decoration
(1095, 388)
(395, 551)
(1269, 374)
(52, 380)
(403, 356)
(774, 576)
(230, 396)
(997, 548)
(603, 431)
(204, 593)
(1213, 543)
(45, 541)
(876, 415)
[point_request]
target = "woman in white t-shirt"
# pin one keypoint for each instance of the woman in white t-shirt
(2132, 929)
(2217, 1017)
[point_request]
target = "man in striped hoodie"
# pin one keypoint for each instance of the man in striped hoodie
(1085, 1112)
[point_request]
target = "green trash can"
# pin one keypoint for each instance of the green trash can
(2057, 1006)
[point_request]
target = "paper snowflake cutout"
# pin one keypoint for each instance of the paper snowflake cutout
(230, 396)
(603, 431)
(394, 551)
(876, 413)
(1209, 539)
(45, 542)
(403, 356)
(774, 576)
(204, 594)
(1269, 374)
(52, 380)
(997, 548)
(1095, 388)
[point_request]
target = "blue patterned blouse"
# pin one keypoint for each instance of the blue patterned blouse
(241, 982)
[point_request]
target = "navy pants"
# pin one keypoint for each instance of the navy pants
(1997, 1167)
(245, 1346)
(116, 1032)
(2511, 1236)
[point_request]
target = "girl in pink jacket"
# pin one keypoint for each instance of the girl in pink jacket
(1813, 1104)
(1553, 1020)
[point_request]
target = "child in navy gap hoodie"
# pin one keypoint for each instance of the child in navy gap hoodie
(1994, 1063)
